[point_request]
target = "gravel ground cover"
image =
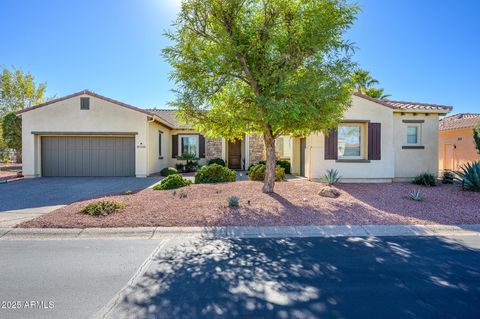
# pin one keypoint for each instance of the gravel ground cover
(296, 202)
(9, 171)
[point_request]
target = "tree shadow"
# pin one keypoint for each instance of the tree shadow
(422, 277)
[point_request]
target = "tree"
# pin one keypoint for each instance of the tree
(12, 133)
(18, 90)
(476, 136)
(377, 93)
(362, 81)
(270, 67)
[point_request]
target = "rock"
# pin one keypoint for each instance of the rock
(329, 191)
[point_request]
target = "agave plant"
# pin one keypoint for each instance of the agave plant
(416, 196)
(469, 176)
(331, 177)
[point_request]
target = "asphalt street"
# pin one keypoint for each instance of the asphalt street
(337, 277)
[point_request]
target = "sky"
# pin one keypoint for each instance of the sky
(419, 50)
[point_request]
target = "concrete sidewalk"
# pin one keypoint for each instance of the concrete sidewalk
(239, 232)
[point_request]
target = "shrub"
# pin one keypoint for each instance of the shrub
(257, 173)
(168, 171)
(215, 173)
(331, 177)
(416, 196)
(282, 163)
(128, 192)
(233, 201)
(447, 177)
(179, 167)
(217, 160)
(102, 208)
(191, 162)
(469, 176)
(172, 182)
(425, 179)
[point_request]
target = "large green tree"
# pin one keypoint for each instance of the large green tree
(18, 90)
(270, 67)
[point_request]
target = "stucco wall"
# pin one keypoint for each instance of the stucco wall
(461, 148)
(156, 162)
(380, 170)
(411, 162)
(66, 116)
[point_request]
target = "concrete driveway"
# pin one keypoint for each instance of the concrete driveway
(29, 198)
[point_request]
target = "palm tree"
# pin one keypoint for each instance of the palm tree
(377, 93)
(362, 81)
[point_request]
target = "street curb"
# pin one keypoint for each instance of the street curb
(239, 232)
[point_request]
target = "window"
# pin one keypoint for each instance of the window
(351, 141)
(84, 103)
(160, 133)
(188, 144)
(412, 135)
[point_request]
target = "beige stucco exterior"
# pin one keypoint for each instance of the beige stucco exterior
(107, 116)
(66, 116)
(396, 163)
(456, 148)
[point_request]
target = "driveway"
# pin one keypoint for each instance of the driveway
(28, 198)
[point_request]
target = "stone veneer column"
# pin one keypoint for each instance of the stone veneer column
(213, 148)
(256, 149)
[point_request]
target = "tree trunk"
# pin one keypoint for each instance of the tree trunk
(269, 181)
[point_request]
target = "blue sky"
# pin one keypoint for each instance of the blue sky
(423, 51)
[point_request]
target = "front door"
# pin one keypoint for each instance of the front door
(235, 154)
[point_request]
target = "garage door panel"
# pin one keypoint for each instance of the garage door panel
(88, 156)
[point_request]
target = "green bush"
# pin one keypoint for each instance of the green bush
(257, 173)
(217, 160)
(102, 208)
(416, 196)
(168, 171)
(233, 201)
(282, 163)
(172, 182)
(215, 173)
(425, 179)
(447, 177)
(469, 176)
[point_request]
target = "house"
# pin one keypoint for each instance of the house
(455, 140)
(87, 134)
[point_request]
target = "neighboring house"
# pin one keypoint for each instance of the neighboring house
(86, 134)
(456, 143)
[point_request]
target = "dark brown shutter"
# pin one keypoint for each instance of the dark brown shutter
(374, 141)
(174, 146)
(201, 146)
(331, 145)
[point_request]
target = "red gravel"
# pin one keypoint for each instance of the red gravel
(295, 203)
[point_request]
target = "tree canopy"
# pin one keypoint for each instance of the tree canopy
(270, 67)
(18, 90)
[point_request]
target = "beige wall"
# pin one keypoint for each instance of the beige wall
(66, 116)
(156, 162)
(456, 147)
(411, 162)
(381, 170)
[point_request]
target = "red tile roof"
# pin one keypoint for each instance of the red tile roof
(408, 106)
(459, 121)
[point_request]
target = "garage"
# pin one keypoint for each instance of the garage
(88, 156)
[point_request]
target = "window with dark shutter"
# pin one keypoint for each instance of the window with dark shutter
(84, 103)
(160, 133)
(331, 145)
(374, 142)
(174, 146)
(201, 146)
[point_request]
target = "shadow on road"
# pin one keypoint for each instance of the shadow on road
(422, 277)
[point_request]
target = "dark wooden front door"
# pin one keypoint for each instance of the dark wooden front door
(235, 155)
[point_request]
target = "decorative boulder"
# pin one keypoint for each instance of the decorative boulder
(328, 191)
